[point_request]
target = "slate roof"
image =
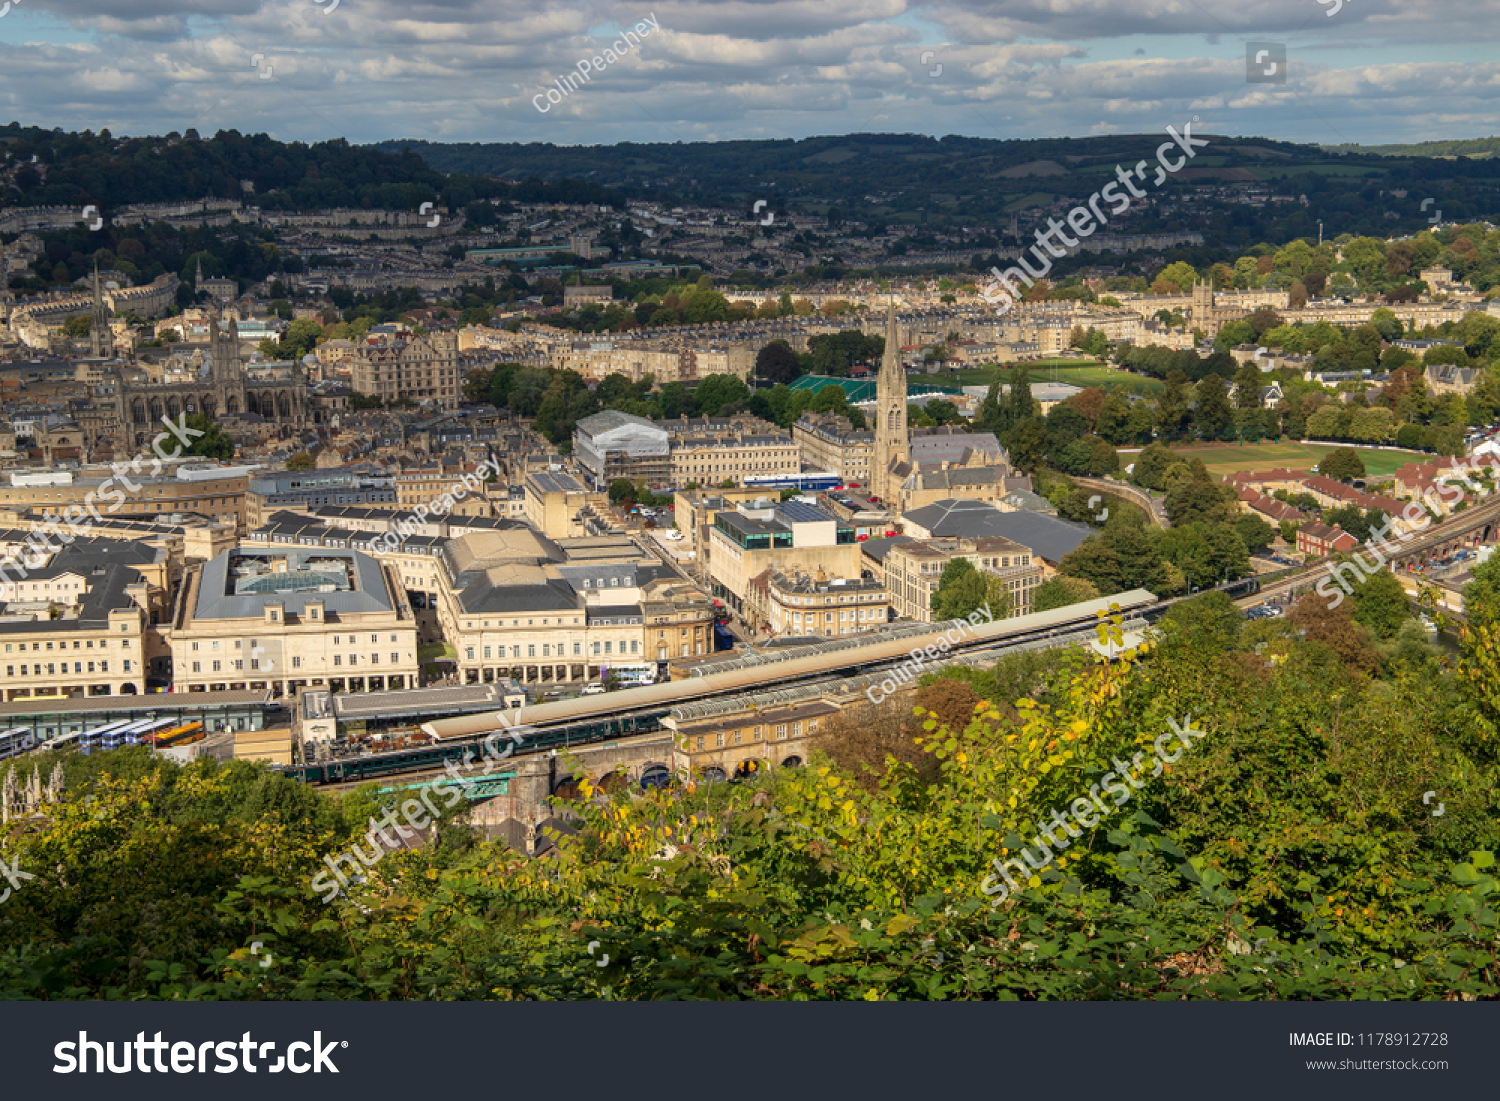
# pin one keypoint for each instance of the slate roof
(216, 601)
(1047, 536)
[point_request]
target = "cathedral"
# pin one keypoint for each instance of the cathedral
(223, 391)
(892, 445)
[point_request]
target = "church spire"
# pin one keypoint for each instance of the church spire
(891, 445)
(101, 340)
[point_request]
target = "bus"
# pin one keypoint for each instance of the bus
(90, 740)
(15, 741)
(185, 734)
(630, 676)
(810, 480)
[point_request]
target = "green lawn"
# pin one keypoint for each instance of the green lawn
(1224, 459)
(1072, 371)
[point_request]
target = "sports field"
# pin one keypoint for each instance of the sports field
(1224, 459)
(1070, 371)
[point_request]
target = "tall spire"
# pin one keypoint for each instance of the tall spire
(891, 445)
(101, 340)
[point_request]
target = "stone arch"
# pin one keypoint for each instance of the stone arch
(207, 405)
(792, 762)
(655, 775)
(713, 774)
(174, 408)
(127, 689)
(614, 782)
(138, 411)
(284, 405)
(157, 411)
(750, 768)
(231, 405)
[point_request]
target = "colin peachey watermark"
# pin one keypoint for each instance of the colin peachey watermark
(567, 85)
(1084, 220)
(438, 507)
(910, 669)
(1088, 810)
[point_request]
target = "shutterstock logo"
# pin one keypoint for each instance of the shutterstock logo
(146, 1056)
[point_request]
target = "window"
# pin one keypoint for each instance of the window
(469, 653)
(338, 659)
(721, 740)
(296, 663)
(395, 659)
(531, 650)
(239, 663)
(781, 732)
(196, 667)
(700, 741)
(577, 649)
(758, 731)
(737, 734)
(127, 665)
(374, 638)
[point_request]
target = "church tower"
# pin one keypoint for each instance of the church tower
(891, 443)
(7, 299)
(101, 340)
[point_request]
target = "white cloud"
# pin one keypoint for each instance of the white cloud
(467, 69)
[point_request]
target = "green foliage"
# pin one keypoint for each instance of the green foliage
(1381, 604)
(1283, 854)
(963, 589)
(1060, 591)
(1342, 464)
(212, 444)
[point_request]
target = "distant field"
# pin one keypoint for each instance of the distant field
(1072, 371)
(1224, 459)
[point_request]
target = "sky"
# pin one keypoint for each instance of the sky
(1364, 71)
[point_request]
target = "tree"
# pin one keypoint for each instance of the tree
(302, 460)
(1381, 604)
(1060, 591)
(1256, 534)
(1334, 627)
(1342, 465)
(1179, 278)
(213, 443)
(963, 589)
(1189, 501)
(776, 362)
(1214, 414)
(622, 490)
(1027, 444)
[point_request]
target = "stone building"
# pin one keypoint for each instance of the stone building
(223, 391)
(286, 619)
